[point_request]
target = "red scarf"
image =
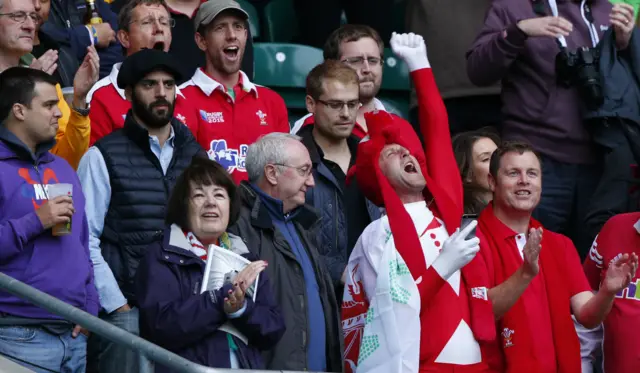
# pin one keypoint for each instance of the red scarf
(517, 351)
(443, 186)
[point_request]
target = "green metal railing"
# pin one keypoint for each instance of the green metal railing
(106, 330)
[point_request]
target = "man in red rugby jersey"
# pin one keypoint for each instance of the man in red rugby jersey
(232, 112)
(619, 343)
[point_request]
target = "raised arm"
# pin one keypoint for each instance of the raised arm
(72, 139)
(434, 122)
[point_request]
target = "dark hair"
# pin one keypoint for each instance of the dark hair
(329, 70)
(509, 147)
(201, 171)
(17, 86)
(348, 33)
(126, 12)
(463, 150)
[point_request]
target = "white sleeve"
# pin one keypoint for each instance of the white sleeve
(365, 259)
(590, 344)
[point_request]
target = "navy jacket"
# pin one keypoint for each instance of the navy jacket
(176, 316)
(65, 27)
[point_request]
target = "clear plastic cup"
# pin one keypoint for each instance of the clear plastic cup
(57, 190)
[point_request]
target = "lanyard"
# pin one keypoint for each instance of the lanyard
(585, 12)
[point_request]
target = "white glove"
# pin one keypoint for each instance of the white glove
(457, 251)
(411, 49)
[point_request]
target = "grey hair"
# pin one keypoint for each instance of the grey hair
(269, 149)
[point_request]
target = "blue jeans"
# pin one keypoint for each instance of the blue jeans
(115, 358)
(44, 352)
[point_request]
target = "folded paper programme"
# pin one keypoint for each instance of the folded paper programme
(222, 267)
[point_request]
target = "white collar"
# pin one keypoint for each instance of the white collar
(177, 238)
(637, 226)
(378, 105)
(208, 85)
(113, 78)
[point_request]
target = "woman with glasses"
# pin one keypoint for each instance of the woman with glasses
(225, 326)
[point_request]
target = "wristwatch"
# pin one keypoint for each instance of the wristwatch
(81, 112)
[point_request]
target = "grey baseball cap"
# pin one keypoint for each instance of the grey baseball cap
(209, 10)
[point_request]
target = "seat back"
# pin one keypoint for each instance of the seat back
(281, 24)
(254, 18)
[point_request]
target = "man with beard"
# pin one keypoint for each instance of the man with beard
(232, 112)
(535, 278)
(361, 48)
(127, 176)
(143, 24)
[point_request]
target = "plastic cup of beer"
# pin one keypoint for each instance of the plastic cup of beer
(57, 190)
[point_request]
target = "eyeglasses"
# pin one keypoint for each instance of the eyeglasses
(148, 22)
(21, 17)
(359, 61)
(338, 105)
(303, 171)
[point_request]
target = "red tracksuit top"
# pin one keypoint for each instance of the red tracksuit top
(109, 107)
(621, 348)
(226, 127)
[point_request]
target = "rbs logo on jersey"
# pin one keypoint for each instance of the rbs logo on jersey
(230, 159)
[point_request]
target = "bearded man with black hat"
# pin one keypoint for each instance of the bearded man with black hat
(127, 177)
(415, 298)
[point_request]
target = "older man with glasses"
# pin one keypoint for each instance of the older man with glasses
(143, 24)
(279, 228)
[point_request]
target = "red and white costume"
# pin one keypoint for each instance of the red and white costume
(228, 125)
(399, 314)
(618, 339)
(109, 107)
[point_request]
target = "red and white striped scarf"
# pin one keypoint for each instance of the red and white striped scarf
(196, 246)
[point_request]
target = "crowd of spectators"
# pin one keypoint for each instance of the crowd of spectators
(167, 148)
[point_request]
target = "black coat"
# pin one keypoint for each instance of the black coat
(615, 128)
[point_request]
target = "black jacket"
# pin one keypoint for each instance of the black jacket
(139, 194)
(615, 128)
(263, 240)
